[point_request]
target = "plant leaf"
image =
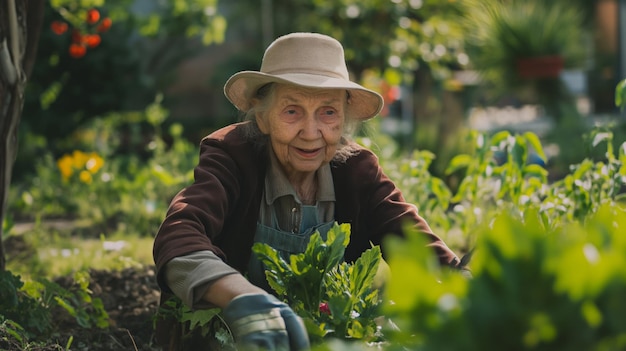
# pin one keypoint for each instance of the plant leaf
(364, 271)
(620, 94)
(457, 163)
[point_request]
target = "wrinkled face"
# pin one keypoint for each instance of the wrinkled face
(304, 126)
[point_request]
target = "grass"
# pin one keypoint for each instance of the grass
(49, 253)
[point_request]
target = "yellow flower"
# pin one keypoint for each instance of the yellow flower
(85, 177)
(65, 166)
(94, 163)
(86, 163)
(80, 158)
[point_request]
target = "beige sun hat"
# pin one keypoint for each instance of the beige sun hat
(308, 60)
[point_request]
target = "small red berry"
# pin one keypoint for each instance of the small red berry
(324, 308)
(58, 27)
(77, 50)
(104, 25)
(92, 40)
(93, 16)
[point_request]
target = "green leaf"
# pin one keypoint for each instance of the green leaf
(278, 272)
(534, 142)
(439, 188)
(537, 171)
(200, 317)
(464, 188)
(356, 330)
(457, 163)
(340, 238)
(500, 137)
(340, 307)
(412, 266)
(583, 167)
(620, 94)
(519, 152)
(15, 330)
(364, 271)
(69, 308)
(600, 137)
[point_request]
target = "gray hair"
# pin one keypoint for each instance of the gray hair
(265, 96)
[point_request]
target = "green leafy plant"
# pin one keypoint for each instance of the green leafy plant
(97, 184)
(20, 307)
(335, 298)
(589, 185)
(534, 288)
(14, 337)
(206, 322)
(498, 174)
(504, 34)
(26, 308)
(514, 184)
(429, 193)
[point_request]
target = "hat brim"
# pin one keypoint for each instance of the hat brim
(242, 86)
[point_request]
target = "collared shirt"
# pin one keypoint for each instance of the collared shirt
(280, 194)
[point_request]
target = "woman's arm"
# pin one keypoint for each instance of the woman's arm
(223, 290)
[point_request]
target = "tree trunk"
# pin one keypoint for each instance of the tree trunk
(20, 26)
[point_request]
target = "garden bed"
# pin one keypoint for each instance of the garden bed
(130, 298)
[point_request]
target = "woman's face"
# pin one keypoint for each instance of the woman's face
(304, 126)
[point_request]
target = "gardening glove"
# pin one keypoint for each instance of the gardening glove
(262, 322)
(463, 264)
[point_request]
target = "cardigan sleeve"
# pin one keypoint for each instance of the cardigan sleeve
(212, 213)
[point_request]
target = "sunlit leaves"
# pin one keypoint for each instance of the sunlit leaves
(620, 94)
(333, 297)
(533, 288)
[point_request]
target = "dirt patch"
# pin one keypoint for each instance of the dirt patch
(130, 298)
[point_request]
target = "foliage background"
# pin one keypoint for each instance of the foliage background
(125, 108)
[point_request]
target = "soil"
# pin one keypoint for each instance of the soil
(130, 297)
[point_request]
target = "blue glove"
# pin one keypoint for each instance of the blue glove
(262, 322)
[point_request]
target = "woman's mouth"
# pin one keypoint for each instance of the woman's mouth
(308, 153)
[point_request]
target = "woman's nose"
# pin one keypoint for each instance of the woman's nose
(310, 128)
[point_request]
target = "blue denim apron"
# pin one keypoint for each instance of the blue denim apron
(286, 243)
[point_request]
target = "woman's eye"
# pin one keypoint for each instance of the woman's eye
(290, 111)
(329, 113)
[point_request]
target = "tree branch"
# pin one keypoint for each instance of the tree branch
(11, 95)
(8, 73)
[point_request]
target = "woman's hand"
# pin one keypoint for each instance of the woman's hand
(258, 320)
(262, 322)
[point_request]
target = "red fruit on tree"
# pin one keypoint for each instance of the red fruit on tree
(77, 50)
(93, 16)
(104, 25)
(58, 27)
(92, 40)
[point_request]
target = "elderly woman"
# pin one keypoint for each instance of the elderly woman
(285, 172)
